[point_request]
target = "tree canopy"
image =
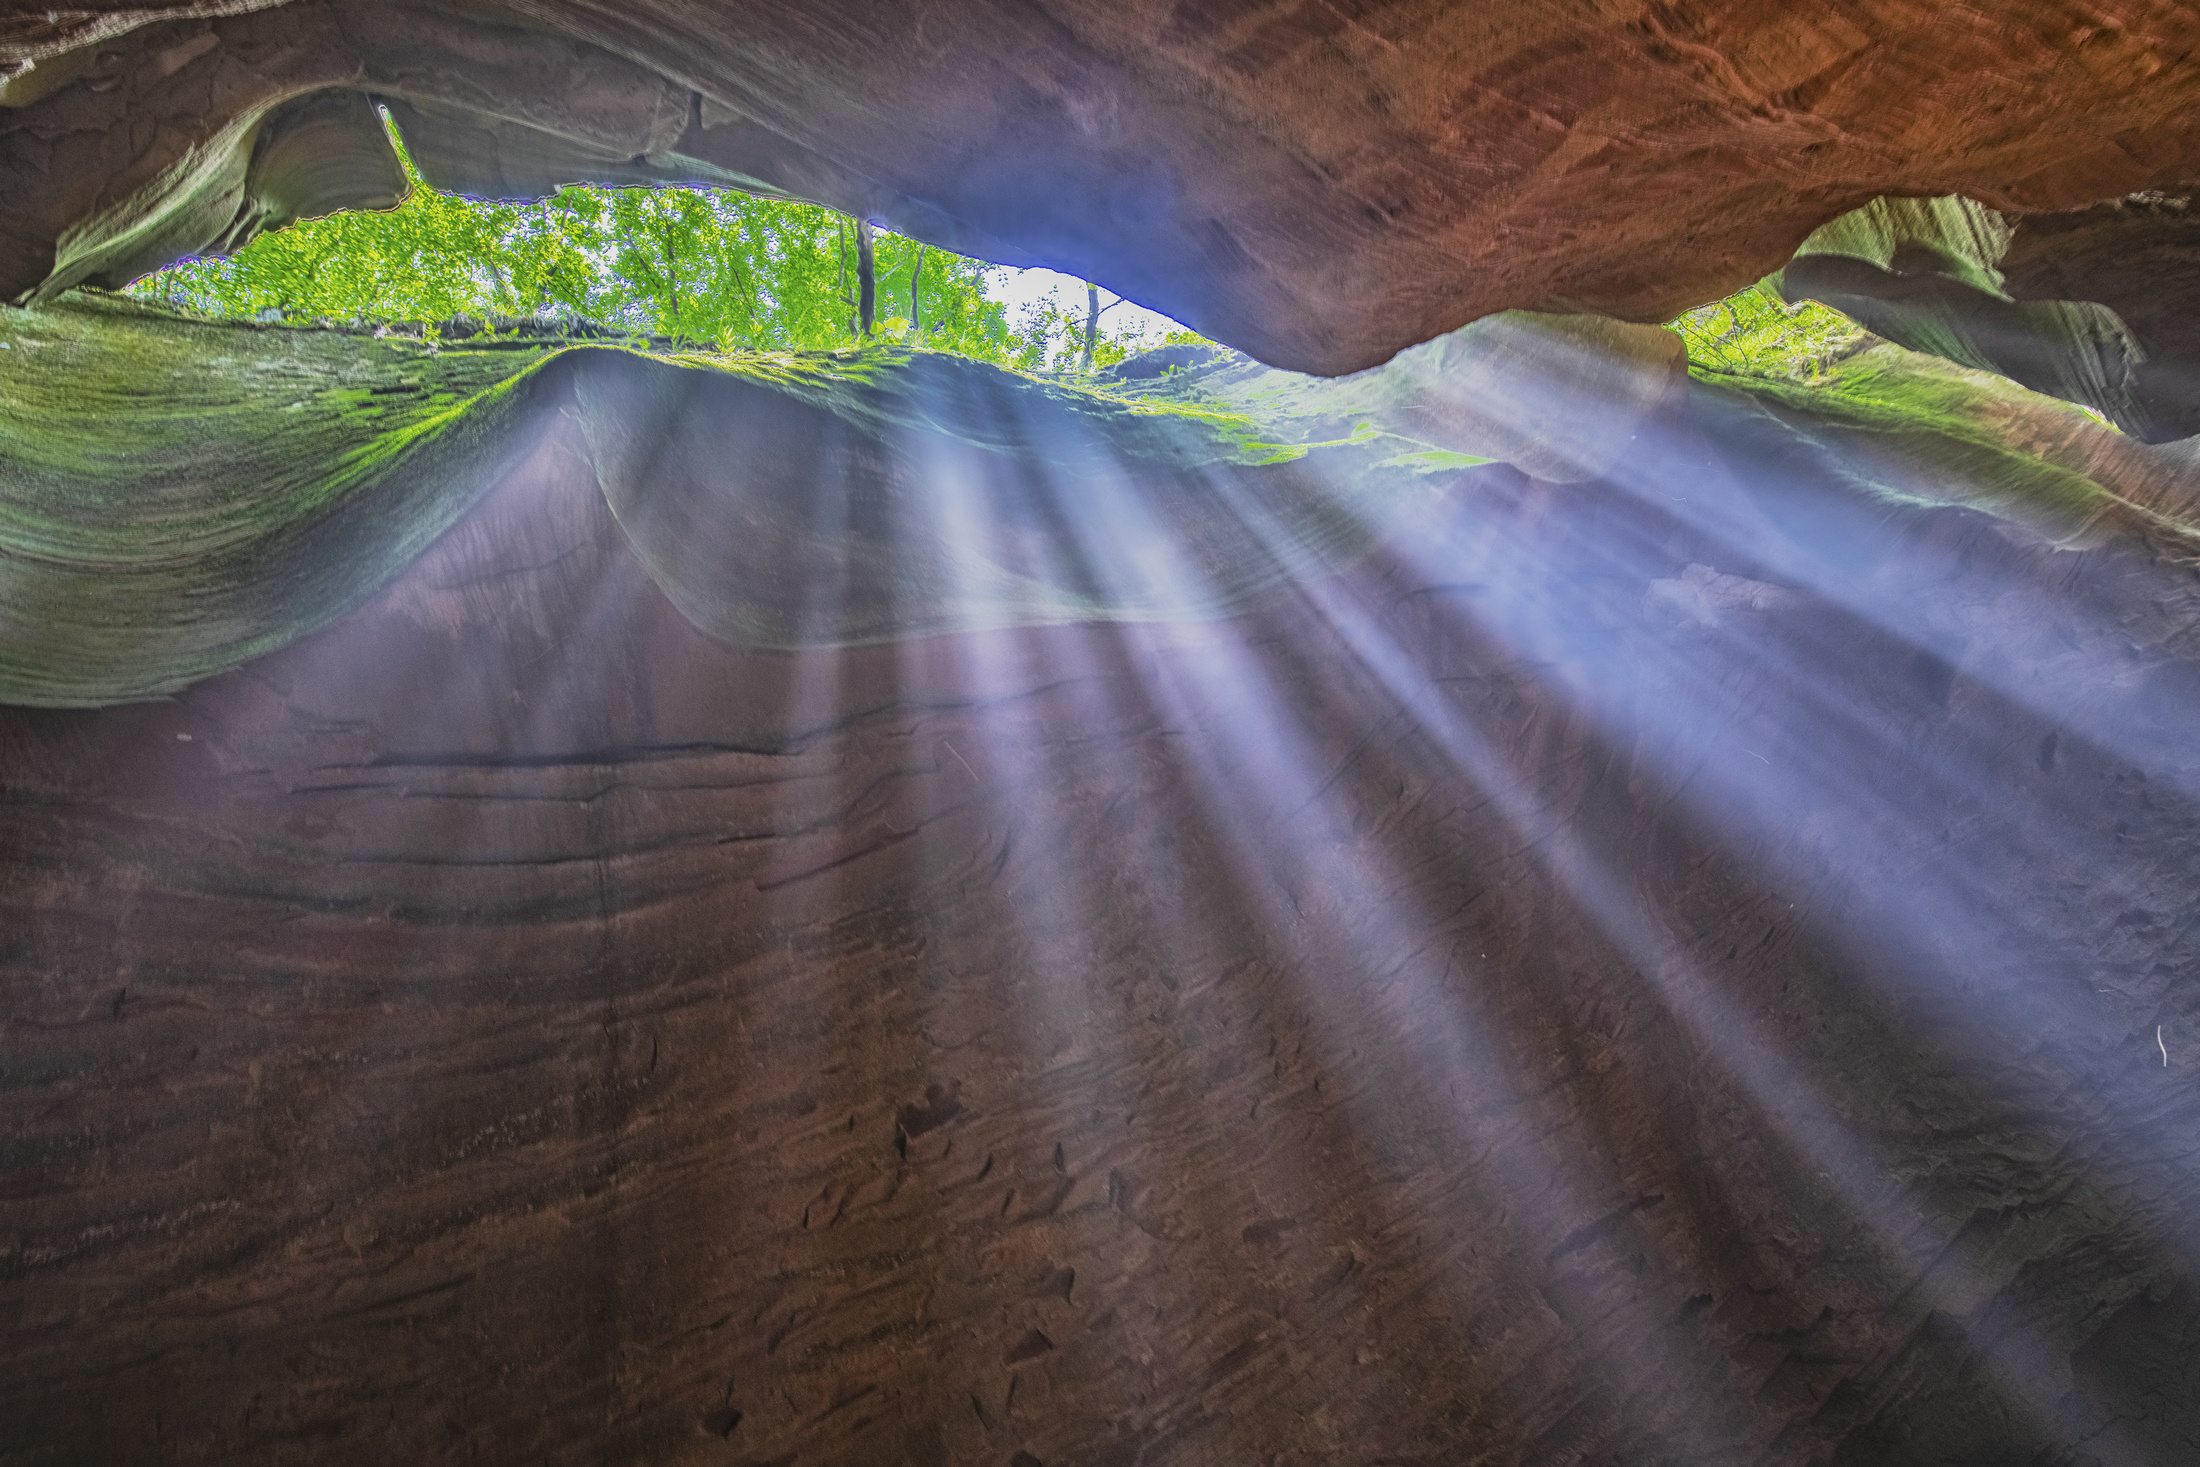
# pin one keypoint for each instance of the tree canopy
(1755, 333)
(719, 269)
(707, 267)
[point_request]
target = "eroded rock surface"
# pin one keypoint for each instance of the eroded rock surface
(182, 495)
(1672, 969)
(1319, 183)
(2138, 257)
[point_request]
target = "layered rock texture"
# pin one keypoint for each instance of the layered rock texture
(1691, 965)
(1318, 182)
(566, 901)
(2094, 306)
(182, 495)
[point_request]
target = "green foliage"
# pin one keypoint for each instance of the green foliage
(708, 268)
(1755, 333)
(1908, 428)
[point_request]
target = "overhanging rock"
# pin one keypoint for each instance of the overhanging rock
(1321, 185)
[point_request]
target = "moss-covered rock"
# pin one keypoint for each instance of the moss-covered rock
(178, 496)
(182, 495)
(1898, 427)
(1926, 273)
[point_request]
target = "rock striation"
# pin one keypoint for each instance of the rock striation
(1320, 184)
(1692, 965)
(2092, 305)
(184, 495)
(570, 902)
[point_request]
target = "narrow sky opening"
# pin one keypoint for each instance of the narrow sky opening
(709, 268)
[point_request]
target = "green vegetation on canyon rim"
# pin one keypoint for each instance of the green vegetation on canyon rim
(718, 269)
(706, 268)
(1755, 333)
(350, 448)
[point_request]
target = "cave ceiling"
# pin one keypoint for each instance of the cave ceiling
(1320, 184)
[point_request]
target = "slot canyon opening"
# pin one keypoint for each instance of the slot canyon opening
(1549, 819)
(686, 267)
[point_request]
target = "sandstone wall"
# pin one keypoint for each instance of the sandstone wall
(1662, 970)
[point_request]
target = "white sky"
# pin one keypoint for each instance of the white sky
(1024, 289)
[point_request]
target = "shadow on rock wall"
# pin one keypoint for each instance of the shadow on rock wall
(1688, 966)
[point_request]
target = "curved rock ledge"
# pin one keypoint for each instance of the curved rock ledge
(1503, 1003)
(183, 495)
(1320, 184)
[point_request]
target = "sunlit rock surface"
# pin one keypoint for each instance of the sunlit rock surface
(180, 494)
(1186, 923)
(1693, 965)
(1318, 182)
(2095, 306)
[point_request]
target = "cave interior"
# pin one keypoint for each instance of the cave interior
(1437, 882)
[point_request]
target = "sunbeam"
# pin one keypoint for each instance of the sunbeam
(639, 829)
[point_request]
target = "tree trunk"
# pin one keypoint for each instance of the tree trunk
(507, 297)
(840, 282)
(671, 319)
(866, 278)
(1092, 325)
(916, 273)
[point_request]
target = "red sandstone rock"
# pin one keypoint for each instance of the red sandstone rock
(1659, 970)
(1504, 1004)
(1320, 183)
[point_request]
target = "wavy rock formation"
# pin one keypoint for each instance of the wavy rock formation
(2095, 306)
(181, 495)
(1318, 182)
(1688, 966)
(1927, 273)
(2140, 258)
(565, 901)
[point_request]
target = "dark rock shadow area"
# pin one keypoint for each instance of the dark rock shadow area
(1676, 969)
